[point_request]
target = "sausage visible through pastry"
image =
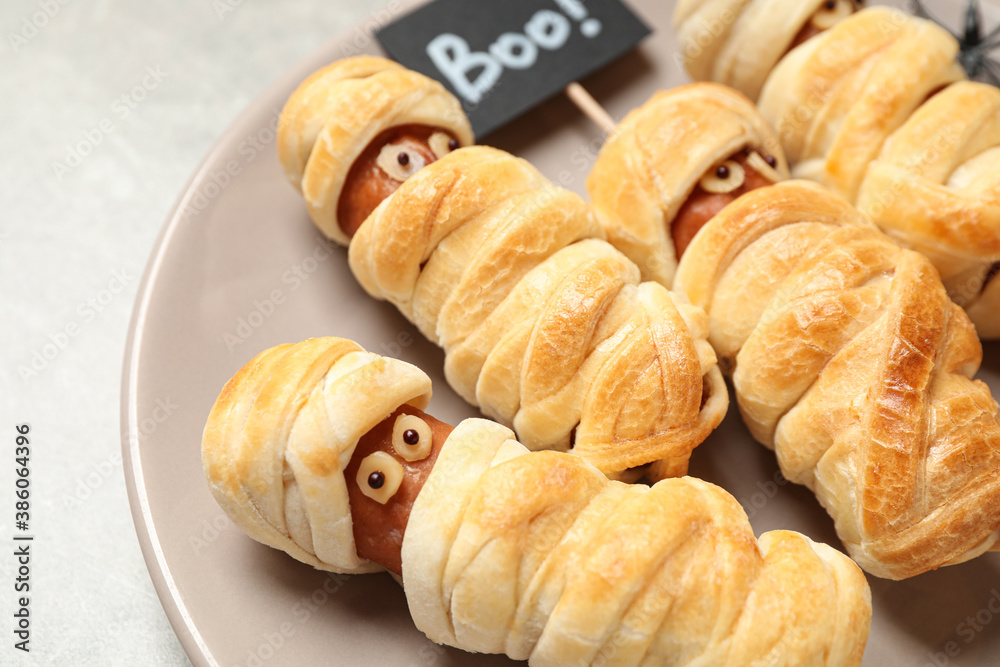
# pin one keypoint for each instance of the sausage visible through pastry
(720, 185)
(391, 158)
(386, 472)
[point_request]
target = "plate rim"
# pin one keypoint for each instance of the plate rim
(168, 593)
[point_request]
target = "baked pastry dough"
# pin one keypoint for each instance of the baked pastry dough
(738, 42)
(935, 187)
(336, 112)
(872, 110)
(282, 432)
(849, 359)
(533, 554)
(652, 163)
(545, 326)
(836, 99)
(540, 557)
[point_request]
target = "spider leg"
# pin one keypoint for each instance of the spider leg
(991, 40)
(991, 71)
(973, 20)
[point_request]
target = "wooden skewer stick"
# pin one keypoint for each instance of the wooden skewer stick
(590, 107)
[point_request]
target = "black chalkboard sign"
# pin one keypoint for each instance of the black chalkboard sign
(503, 57)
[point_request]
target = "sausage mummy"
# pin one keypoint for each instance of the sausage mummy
(798, 343)
(877, 109)
(894, 128)
(322, 450)
(546, 327)
(849, 360)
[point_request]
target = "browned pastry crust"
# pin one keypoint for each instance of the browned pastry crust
(849, 359)
(546, 327)
(851, 107)
(539, 556)
(836, 99)
(935, 187)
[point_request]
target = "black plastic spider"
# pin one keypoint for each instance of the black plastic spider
(975, 54)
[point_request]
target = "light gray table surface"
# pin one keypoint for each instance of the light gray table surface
(107, 108)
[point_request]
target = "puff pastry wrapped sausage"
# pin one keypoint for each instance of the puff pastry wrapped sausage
(546, 327)
(849, 359)
(866, 108)
(836, 99)
(892, 127)
(533, 554)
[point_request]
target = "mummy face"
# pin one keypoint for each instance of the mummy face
(740, 173)
(389, 467)
(391, 158)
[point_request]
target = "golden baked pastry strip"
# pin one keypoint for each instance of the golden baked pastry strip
(851, 362)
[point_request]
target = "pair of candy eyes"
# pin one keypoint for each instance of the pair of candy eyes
(399, 163)
(380, 474)
(730, 175)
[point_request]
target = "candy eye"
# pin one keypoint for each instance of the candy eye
(412, 438)
(831, 13)
(442, 144)
(724, 178)
(399, 162)
(765, 166)
(379, 476)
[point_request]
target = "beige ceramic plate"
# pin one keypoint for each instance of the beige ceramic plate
(239, 267)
